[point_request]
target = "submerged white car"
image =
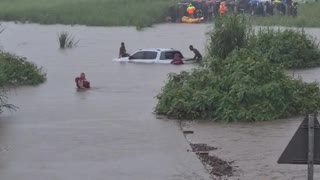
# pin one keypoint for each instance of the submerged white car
(155, 55)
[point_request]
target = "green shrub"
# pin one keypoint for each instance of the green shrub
(291, 48)
(249, 89)
(229, 33)
(243, 77)
(15, 70)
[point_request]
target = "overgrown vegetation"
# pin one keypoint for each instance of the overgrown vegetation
(66, 40)
(140, 13)
(232, 33)
(291, 48)
(308, 16)
(15, 70)
(237, 83)
(3, 100)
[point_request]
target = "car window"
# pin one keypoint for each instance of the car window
(137, 55)
(169, 55)
(150, 55)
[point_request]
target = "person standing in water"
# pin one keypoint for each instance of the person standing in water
(82, 82)
(197, 55)
(123, 51)
(177, 60)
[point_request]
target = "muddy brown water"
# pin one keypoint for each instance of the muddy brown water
(109, 132)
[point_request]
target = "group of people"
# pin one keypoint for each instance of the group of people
(208, 9)
(283, 7)
(177, 60)
(83, 83)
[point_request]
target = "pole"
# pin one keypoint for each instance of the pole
(310, 145)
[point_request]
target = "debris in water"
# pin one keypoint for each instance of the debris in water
(217, 167)
(202, 147)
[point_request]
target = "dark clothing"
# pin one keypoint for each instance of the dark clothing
(197, 55)
(123, 52)
(177, 61)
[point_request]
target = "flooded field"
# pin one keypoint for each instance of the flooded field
(109, 132)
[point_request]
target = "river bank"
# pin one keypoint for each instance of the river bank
(139, 13)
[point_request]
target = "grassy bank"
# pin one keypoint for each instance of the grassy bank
(140, 13)
(308, 16)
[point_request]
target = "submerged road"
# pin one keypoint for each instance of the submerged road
(108, 132)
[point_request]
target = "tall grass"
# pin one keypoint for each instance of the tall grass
(66, 40)
(308, 16)
(140, 13)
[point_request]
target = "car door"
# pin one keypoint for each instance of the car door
(167, 56)
(144, 57)
(136, 57)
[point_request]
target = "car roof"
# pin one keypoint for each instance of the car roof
(158, 49)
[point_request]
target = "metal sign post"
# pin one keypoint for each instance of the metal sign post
(310, 145)
(304, 147)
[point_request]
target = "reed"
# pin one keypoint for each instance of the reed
(66, 40)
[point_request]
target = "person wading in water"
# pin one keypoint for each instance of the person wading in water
(177, 60)
(82, 82)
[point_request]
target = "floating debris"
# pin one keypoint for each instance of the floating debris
(202, 147)
(218, 167)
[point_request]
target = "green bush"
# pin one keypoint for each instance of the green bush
(243, 84)
(249, 89)
(229, 33)
(291, 48)
(15, 70)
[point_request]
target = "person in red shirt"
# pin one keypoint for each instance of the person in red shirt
(177, 60)
(82, 82)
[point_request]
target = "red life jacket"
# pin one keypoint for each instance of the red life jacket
(86, 83)
(177, 61)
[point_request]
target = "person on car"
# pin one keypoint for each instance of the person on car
(177, 60)
(197, 55)
(82, 82)
(123, 51)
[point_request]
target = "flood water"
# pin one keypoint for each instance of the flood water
(109, 132)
